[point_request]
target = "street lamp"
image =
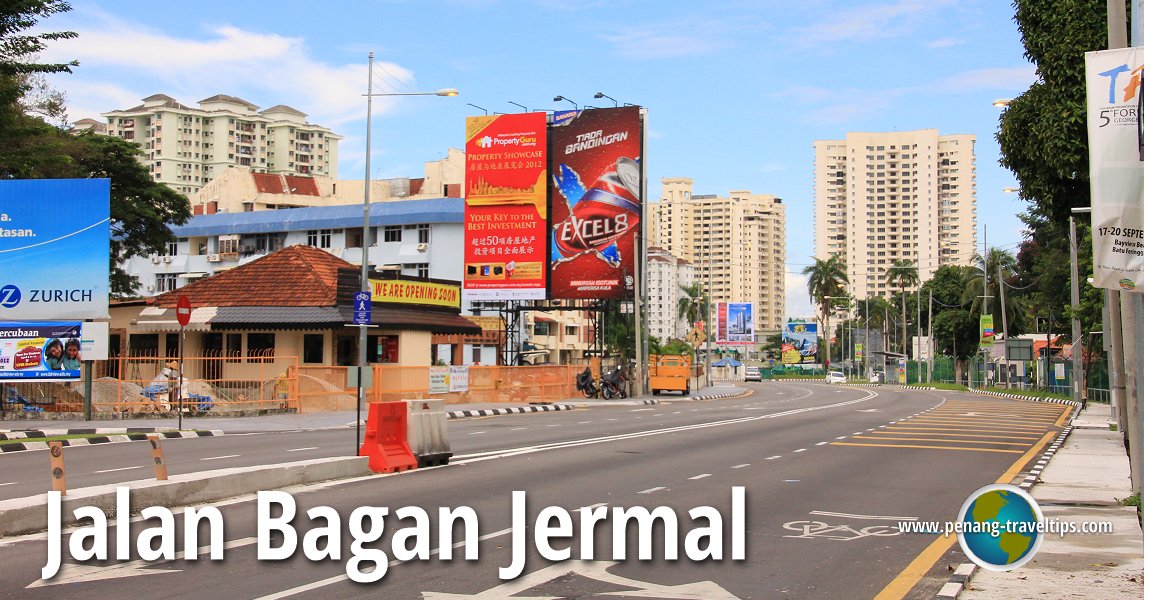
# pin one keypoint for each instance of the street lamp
(842, 344)
(479, 107)
(519, 105)
(1003, 102)
(363, 273)
(559, 98)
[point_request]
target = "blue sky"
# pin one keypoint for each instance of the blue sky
(736, 90)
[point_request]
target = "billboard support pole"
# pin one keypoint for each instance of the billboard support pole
(87, 390)
(638, 373)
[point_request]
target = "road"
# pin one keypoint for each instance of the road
(826, 471)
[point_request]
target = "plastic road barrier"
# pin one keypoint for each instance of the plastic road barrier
(385, 443)
(427, 432)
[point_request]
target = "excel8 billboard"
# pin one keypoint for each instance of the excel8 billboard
(596, 203)
(54, 247)
(505, 209)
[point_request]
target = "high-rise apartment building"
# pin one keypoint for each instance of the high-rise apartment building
(737, 244)
(186, 147)
(667, 276)
(881, 197)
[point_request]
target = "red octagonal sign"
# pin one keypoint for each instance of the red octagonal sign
(183, 310)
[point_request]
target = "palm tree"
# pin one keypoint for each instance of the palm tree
(989, 265)
(904, 273)
(692, 306)
(826, 279)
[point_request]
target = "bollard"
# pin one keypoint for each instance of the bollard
(56, 452)
(158, 458)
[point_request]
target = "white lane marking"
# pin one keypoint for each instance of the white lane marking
(9, 483)
(654, 489)
(612, 419)
(476, 432)
(641, 409)
(841, 437)
(120, 469)
(583, 422)
(821, 444)
(774, 457)
(220, 457)
(517, 429)
(302, 449)
(800, 450)
(699, 476)
(592, 506)
(857, 433)
(555, 425)
(869, 517)
(740, 466)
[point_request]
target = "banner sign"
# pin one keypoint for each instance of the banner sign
(505, 209)
(458, 378)
(902, 370)
(986, 332)
(858, 352)
(38, 350)
(398, 291)
(1114, 81)
(800, 343)
(438, 380)
(734, 323)
(596, 203)
(54, 245)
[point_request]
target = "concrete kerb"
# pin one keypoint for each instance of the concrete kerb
(29, 515)
(102, 436)
(509, 410)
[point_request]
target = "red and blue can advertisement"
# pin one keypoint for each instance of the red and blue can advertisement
(596, 204)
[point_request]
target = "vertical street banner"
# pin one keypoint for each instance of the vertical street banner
(735, 324)
(985, 332)
(1114, 83)
(505, 209)
(40, 350)
(596, 203)
(800, 344)
(55, 241)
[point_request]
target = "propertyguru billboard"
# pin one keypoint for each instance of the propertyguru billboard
(734, 323)
(54, 247)
(596, 203)
(505, 210)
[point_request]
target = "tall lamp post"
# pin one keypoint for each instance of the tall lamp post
(361, 365)
(843, 342)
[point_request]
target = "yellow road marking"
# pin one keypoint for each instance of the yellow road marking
(1061, 422)
(979, 423)
(974, 435)
(864, 437)
(928, 447)
(940, 427)
(999, 416)
(904, 582)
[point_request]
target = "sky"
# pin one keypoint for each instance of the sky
(736, 90)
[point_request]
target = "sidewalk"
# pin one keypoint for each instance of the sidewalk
(333, 419)
(1085, 481)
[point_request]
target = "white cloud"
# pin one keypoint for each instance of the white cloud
(867, 23)
(944, 43)
(1016, 78)
(798, 301)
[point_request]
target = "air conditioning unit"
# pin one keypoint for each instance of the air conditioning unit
(155, 260)
(421, 247)
(151, 288)
(213, 258)
(167, 259)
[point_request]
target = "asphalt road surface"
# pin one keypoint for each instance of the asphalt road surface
(808, 480)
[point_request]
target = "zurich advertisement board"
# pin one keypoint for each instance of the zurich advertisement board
(30, 350)
(54, 249)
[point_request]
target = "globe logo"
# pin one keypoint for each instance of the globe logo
(1000, 527)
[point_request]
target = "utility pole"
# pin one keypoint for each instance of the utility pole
(1005, 335)
(930, 336)
(1076, 376)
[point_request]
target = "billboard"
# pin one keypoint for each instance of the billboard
(800, 344)
(986, 332)
(54, 245)
(596, 203)
(505, 208)
(422, 293)
(40, 350)
(1114, 81)
(734, 323)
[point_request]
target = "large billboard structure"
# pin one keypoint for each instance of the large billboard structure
(800, 344)
(734, 323)
(596, 204)
(54, 245)
(40, 350)
(505, 209)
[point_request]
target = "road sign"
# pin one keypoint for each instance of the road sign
(183, 310)
(361, 308)
(696, 337)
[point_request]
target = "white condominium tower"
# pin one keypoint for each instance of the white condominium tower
(737, 244)
(882, 197)
(187, 147)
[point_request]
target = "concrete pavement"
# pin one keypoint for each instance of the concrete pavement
(1086, 481)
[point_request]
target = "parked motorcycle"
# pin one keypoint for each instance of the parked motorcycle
(585, 383)
(615, 383)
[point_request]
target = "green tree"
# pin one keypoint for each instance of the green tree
(983, 281)
(693, 307)
(826, 279)
(903, 272)
(32, 148)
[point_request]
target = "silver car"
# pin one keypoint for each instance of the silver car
(836, 377)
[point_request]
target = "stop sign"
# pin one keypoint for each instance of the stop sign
(183, 310)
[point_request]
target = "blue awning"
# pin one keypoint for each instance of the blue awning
(400, 212)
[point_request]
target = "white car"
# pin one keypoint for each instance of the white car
(753, 374)
(836, 377)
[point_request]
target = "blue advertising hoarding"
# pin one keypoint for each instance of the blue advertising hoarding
(54, 249)
(800, 343)
(37, 350)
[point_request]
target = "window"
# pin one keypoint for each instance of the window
(145, 344)
(424, 233)
(319, 238)
(234, 349)
(174, 246)
(261, 347)
(165, 282)
(392, 233)
(172, 345)
(541, 328)
(313, 348)
(476, 354)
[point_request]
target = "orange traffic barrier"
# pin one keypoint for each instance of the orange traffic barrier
(158, 458)
(385, 443)
(56, 454)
